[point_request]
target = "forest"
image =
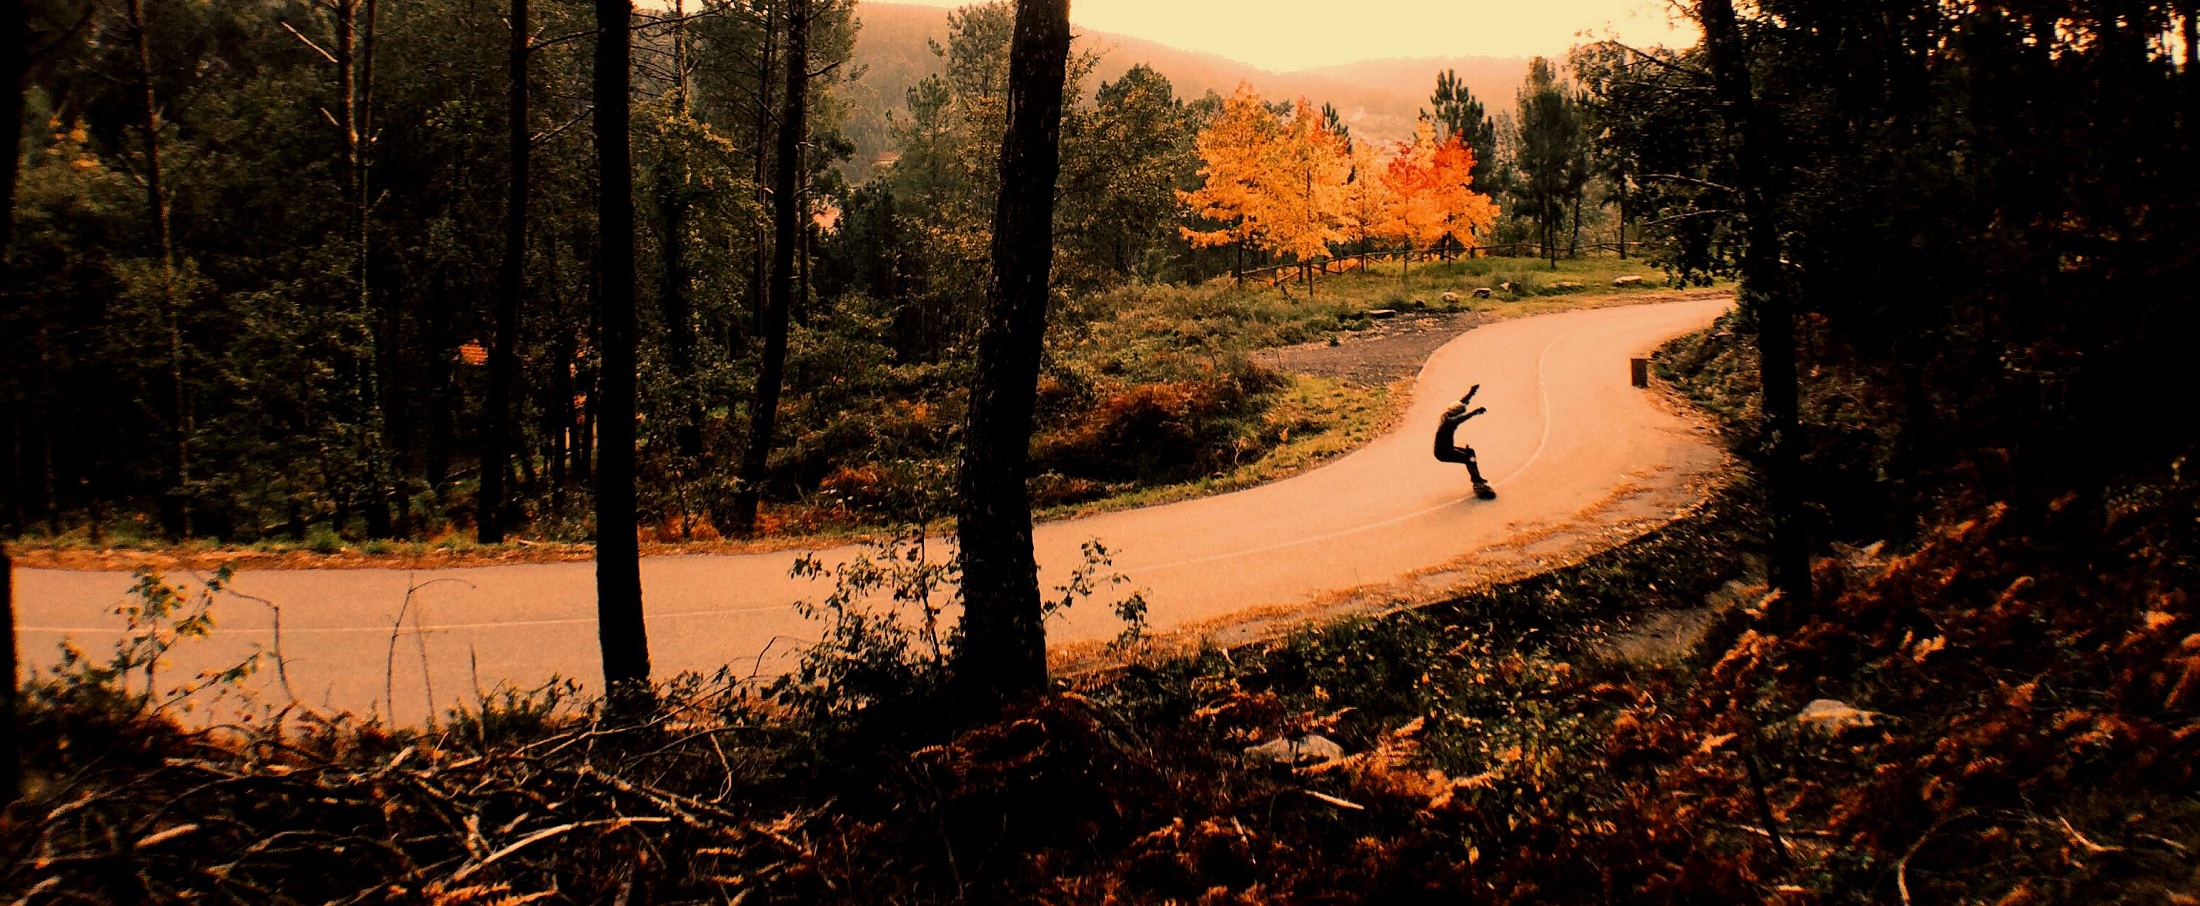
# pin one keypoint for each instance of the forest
(334, 274)
(404, 343)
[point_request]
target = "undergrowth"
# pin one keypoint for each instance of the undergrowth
(2029, 676)
(1149, 392)
(2018, 683)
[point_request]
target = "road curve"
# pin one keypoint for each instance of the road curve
(1565, 434)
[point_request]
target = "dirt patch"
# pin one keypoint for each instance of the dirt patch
(1391, 350)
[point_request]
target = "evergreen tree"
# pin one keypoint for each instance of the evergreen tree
(787, 208)
(1459, 113)
(1553, 157)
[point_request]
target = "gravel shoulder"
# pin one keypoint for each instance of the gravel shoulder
(1395, 348)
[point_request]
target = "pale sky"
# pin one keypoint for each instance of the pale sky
(1288, 35)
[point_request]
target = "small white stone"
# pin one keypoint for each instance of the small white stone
(1832, 716)
(1308, 749)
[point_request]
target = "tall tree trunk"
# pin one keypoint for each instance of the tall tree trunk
(14, 59)
(384, 494)
(1623, 213)
(177, 505)
(587, 389)
(1573, 239)
(678, 309)
(765, 56)
(680, 57)
(354, 54)
(2190, 31)
(786, 217)
(619, 628)
(807, 230)
(564, 418)
(679, 315)
(11, 760)
(1557, 215)
(2189, 13)
(49, 471)
(492, 515)
(1765, 296)
(1003, 653)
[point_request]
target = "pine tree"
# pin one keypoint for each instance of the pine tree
(1003, 652)
(619, 628)
(786, 215)
(492, 514)
(1460, 114)
(1553, 160)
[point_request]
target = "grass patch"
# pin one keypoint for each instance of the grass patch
(1309, 421)
(1222, 316)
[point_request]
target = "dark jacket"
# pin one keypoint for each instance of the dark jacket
(1446, 449)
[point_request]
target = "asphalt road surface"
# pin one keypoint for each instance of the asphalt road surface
(1565, 433)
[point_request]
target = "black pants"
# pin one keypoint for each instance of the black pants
(1447, 450)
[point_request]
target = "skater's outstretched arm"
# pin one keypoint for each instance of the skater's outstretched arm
(1458, 411)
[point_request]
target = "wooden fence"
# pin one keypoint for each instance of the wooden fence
(1276, 274)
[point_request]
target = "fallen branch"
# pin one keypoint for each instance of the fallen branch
(545, 834)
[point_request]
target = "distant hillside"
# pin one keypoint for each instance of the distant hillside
(1494, 80)
(891, 54)
(1378, 98)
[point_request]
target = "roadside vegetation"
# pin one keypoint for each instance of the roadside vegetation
(1936, 640)
(2013, 688)
(375, 367)
(1168, 371)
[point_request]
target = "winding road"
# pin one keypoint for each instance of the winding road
(1581, 461)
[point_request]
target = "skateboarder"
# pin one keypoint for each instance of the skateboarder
(1448, 451)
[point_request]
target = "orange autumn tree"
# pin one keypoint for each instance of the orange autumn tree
(1431, 182)
(1368, 200)
(1303, 190)
(1462, 212)
(1234, 155)
(1414, 220)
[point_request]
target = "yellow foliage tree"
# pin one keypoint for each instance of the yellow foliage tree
(1302, 189)
(1234, 156)
(1369, 203)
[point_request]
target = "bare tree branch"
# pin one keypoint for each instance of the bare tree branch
(308, 41)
